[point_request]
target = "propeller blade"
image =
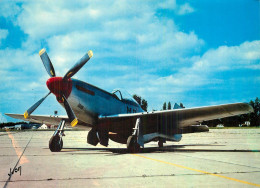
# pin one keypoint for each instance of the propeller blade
(78, 65)
(73, 119)
(47, 62)
(33, 107)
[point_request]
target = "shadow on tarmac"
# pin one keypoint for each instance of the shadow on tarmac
(174, 148)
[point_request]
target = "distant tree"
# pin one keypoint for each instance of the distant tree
(164, 106)
(181, 105)
(137, 98)
(212, 123)
(169, 106)
(243, 118)
(9, 124)
(142, 102)
(232, 121)
(144, 105)
(255, 116)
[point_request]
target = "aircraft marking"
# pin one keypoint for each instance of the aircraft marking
(85, 90)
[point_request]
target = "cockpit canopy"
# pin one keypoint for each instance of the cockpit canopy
(123, 95)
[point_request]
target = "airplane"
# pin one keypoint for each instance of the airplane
(117, 116)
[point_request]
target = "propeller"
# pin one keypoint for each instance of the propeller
(70, 112)
(60, 86)
(33, 107)
(78, 65)
(47, 62)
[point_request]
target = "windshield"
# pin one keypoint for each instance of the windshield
(123, 94)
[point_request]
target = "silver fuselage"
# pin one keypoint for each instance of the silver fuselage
(89, 102)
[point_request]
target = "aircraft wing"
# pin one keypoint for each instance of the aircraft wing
(189, 116)
(171, 121)
(45, 119)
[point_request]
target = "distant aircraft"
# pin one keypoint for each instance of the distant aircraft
(117, 116)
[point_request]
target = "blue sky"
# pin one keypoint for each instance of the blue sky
(196, 52)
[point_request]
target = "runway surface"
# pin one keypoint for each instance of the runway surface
(220, 158)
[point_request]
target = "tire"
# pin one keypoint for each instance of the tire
(92, 137)
(132, 145)
(55, 143)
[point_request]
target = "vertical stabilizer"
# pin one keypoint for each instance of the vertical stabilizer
(176, 106)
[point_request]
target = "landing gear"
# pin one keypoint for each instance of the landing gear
(132, 145)
(92, 137)
(136, 140)
(160, 144)
(56, 143)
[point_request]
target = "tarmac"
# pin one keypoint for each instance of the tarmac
(219, 158)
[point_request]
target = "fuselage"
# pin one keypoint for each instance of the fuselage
(90, 102)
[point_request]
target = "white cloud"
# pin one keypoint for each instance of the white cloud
(9, 9)
(205, 71)
(216, 60)
(2, 118)
(49, 18)
(122, 21)
(131, 45)
(125, 29)
(185, 9)
(3, 34)
(168, 4)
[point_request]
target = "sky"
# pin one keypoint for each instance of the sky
(198, 52)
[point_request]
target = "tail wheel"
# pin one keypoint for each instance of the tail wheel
(160, 144)
(132, 145)
(55, 143)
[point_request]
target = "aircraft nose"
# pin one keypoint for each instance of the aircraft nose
(59, 87)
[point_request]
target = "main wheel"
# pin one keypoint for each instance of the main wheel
(55, 143)
(92, 137)
(132, 145)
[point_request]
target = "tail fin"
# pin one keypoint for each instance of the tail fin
(176, 106)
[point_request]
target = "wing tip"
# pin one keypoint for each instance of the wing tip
(251, 109)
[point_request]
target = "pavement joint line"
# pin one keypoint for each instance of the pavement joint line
(109, 177)
(119, 177)
(196, 170)
(8, 180)
(221, 161)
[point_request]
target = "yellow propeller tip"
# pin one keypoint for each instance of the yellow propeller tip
(74, 122)
(90, 53)
(42, 51)
(26, 115)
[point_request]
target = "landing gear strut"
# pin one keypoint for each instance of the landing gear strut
(136, 139)
(56, 143)
(161, 141)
